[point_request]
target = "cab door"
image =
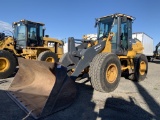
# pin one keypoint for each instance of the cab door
(32, 35)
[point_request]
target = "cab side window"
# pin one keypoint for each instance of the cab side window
(32, 36)
(32, 33)
(124, 35)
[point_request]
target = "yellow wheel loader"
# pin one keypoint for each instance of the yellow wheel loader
(113, 54)
(28, 42)
(46, 87)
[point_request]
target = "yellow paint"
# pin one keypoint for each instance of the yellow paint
(111, 73)
(32, 52)
(4, 64)
(50, 59)
(108, 46)
(143, 67)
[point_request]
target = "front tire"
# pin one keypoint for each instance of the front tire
(105, 72)
(8, 63)
(48, 57)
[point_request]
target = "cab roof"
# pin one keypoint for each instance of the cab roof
(118, 15)
(28, 22)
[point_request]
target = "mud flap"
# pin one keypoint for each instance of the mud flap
(42, 88)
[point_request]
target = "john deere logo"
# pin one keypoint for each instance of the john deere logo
(97, 47)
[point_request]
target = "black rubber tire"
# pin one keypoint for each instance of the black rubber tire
(97, 72)
(136, 76)
(12, 64)
(44, 55)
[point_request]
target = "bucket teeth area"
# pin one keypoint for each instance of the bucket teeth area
(38, 86)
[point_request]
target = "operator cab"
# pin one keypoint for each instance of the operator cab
(28, 34)
(121, 26)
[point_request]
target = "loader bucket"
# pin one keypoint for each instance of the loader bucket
(41, 88)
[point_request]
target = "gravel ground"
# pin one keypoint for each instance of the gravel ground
(130, 101)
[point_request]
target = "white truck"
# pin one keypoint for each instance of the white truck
(147, 42)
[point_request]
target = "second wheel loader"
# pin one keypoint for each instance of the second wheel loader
(29, 42)
(46, 87)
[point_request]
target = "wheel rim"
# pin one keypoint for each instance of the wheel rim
(50, 59)
(143, 67)
(111, 73)
(4, 64)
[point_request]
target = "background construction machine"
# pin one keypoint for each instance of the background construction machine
(114, 53)
(29, 42)
(157, 51)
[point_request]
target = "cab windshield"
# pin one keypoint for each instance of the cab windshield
(20, 32)
(104, 27)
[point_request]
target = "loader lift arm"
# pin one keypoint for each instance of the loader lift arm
(80, 57)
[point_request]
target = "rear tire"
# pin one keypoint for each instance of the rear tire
(48, 57)
(141, 68)
(105, 72)
(8, 63)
